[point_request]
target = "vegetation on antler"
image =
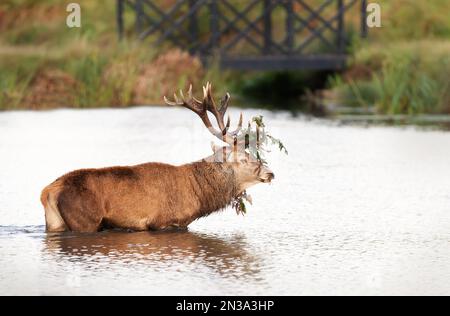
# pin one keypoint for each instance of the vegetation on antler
(256, 142)
(238, 203)
(261, 139)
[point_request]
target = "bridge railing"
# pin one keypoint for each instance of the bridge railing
(248, 34)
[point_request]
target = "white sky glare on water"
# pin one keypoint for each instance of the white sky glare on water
(351, 211)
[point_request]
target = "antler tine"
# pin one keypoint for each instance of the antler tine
(219, 114)
(201, 108)
(182, 95)
(177, 101)
(208, 105)
(205, 91)
(167, 101)
(190, 91)
(239, 127)
(211, 106)
(191, 97)
(224, 103)
(191, 103)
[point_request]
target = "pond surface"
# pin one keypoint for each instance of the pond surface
(352, 210)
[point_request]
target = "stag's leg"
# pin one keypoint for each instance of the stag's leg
(53, 220)
(80, 210)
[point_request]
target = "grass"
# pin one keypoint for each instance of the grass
(404, 67)
(405, 78)
(401, 69)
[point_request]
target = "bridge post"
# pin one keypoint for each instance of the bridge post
(267, 26)
(193, 26)
(289, 26)
(214, 24)
(119, 18)
(139, 16)
(340, 41)
(364, 18)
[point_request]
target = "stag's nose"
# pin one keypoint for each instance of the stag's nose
(268, 177)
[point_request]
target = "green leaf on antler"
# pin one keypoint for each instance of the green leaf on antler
(262, 140)
(278, 142)
(258, 120)
(260, 158)
(242, 207)
(238, 203)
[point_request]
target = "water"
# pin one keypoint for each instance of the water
(352, 210)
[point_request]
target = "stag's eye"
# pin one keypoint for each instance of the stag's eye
(257, 169)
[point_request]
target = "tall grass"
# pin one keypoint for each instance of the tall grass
(15, 77)
(407, 86)
(407, 78)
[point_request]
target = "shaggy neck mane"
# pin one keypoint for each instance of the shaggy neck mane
(214, 186)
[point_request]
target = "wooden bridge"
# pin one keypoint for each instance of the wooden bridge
(312, 33)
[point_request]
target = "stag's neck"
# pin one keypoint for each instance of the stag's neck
(213, 185)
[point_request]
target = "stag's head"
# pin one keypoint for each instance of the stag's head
(237, 154)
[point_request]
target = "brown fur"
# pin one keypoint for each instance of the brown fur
(148, 196)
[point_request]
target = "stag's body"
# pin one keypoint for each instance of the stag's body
(150, 196)
(156, 196)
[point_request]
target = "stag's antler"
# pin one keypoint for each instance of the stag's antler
(208, 104)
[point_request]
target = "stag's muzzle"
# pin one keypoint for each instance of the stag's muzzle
(267, 175)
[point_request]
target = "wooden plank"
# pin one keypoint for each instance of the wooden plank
(312, 17)
(214, 25)
(166, 17)
(285, 62)
(317, 15)
(250, 26)
(119, 17)
(177, 24)
(229, 26)
(253, 26)
(139, 16)
(247, 36)
(305, 24)
(323, 27)
(289, 26)
(364, 28)
(193, 26)
(267, 12)
(340, 36)
(151, 22)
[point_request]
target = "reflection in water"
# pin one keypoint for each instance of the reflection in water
(225, 257)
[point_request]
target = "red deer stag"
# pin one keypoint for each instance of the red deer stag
(155, 196)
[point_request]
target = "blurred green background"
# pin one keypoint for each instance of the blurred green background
(402, 68)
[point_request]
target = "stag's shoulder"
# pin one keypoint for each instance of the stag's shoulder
(154, 166)
(157, 169)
